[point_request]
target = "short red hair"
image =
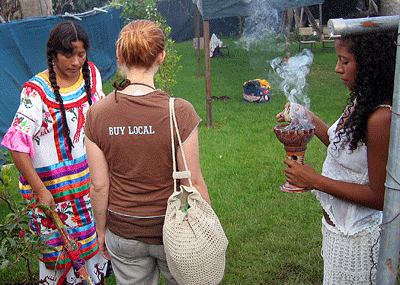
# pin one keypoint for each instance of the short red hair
(139, 43)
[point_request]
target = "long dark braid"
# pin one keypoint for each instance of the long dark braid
(86, 77)
(61, 38)
(56, 90)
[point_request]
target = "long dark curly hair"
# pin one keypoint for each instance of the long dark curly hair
(375, 55)
(60, 41)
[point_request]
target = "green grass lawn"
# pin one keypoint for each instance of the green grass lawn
(274, 237)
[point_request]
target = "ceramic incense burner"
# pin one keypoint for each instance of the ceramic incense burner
(294, 139)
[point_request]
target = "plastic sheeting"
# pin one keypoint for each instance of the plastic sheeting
(293, 4)
(179, 16)
(23, 53)
(211, 9)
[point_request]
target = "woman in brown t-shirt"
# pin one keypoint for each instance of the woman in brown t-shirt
(130, 158)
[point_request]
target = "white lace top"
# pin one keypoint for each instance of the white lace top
(344, 165)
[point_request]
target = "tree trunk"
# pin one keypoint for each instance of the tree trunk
(9, 10)
(390, 7)
(36, 8)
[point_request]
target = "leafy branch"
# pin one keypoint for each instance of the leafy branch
(165, 79)
(16, 239)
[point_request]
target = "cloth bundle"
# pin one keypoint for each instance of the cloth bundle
(256, 90)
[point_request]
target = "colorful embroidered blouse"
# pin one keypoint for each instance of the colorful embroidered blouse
(65, 173)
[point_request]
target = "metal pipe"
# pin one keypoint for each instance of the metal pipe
(388, 260)
(344, 27)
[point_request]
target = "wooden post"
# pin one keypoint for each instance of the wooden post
(289, 14)
(301, 16)
(206, 26)
(197, 34)
(321, 26)
(297, 18)
(372, 7)
(312, 22)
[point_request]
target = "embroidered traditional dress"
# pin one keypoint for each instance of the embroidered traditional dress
(37, 129)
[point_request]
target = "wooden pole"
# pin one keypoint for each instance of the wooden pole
(206, 26)
(289, 14)
(321, 26)
(197, 34)
(297, 18)
(282, 25)
(301, 16)
(312, 22)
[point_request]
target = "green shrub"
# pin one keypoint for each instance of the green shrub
(165, 79)
(16, 241)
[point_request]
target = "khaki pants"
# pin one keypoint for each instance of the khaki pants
(137, 263)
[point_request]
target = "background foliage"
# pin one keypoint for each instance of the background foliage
(18, 247)
(9, 10)
(76, 6)
(165, 79)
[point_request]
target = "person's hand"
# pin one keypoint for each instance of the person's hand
(281, 117)
(102, 245)
(46, 198)
(300, 175)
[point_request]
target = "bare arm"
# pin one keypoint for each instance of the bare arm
(371, 195)
(24, 164)
(321, 129)
(99, 190)
(191, 149)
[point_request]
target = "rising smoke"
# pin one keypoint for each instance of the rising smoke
(261, 32)
(261, 28)
(292, 74)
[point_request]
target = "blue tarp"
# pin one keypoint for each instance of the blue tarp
(284, 5)
(212, 9)
(23, 53)
(179, 16)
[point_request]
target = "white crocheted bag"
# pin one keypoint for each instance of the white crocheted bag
(194, 240)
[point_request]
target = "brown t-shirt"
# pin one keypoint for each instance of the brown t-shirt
(134, 134)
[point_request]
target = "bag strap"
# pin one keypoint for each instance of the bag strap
(173, 122)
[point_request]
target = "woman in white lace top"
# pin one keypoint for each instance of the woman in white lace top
(351, 187)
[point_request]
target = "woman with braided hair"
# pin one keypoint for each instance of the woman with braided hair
(46, 141)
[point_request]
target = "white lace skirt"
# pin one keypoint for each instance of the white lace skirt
(350, 259)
